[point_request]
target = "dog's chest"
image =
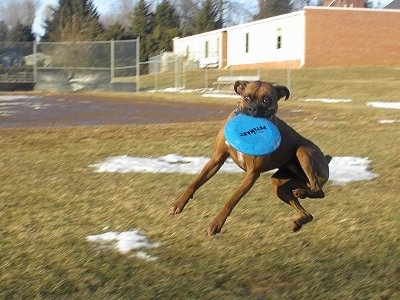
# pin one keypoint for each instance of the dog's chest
(237, 156)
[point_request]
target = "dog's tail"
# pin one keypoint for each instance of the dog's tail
(328, 158)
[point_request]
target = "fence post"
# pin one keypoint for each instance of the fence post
(155, 70)
(137, 63)
(112, 60)
(289, 78)
(35, 61)
(184, 73)
(206, 77)
(177, 85)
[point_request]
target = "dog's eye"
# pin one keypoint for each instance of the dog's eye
(265, 100)
(247, 98)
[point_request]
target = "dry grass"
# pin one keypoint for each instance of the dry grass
(357, 83)
(51, 200)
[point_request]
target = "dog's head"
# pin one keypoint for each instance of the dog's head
(259, 98)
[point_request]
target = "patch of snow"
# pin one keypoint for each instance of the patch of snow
(387, 121)
(328, 100)
(171, 163)
(382, 104)
(9, 103)
(125, 242)
(347, 169)
(343, 169)
(220, 95)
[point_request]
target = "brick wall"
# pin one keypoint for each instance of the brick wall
(352, 37)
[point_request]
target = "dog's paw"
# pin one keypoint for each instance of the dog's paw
(298, 223)
(300, 193)
(296, 226)
(175, 209)
(215, 227)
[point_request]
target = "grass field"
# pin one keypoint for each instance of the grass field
(51, 200)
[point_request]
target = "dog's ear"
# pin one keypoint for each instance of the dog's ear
(239, 86)
(282, 91)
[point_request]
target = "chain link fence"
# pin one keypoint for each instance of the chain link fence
(114, 66)
(15, 73)
(85, 65)
(111, 66)
(69, 66)
(169, 72)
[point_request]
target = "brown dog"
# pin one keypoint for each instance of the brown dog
(302, 167)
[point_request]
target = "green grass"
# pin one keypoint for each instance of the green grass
(51, 200)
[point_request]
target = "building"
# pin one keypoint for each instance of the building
(314, 37)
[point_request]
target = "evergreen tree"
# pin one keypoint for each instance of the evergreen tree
(166, 26)
(186, 10)
(141, 26)
(141, 19)
(3, 31)
(74, 20)
(208, 17)
(271, 8)
(21, 33)
(117, 32)
(166, 16)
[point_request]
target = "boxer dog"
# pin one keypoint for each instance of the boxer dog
(302, 168)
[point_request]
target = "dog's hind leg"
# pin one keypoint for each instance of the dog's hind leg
(284, 182)
(208, 171)
(315, 167)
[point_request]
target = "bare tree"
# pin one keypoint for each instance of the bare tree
(236, 12)
(232, 12)
(187, 9)
(299, 4)
(18, 12)
(120, 12)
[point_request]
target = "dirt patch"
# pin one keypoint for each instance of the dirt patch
(91, 110)
(67, 110)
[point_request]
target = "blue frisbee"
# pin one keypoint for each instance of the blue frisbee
(252, 136)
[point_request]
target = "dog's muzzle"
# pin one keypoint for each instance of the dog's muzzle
(257, 111)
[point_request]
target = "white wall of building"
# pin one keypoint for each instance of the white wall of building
(262, 38)
(204, 48)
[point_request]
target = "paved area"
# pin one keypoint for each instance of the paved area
(78, 109)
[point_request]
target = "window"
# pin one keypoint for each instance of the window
(247, 42)
(206, 50)
(278, 42)
(278, 39)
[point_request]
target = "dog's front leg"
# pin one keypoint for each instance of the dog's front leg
(209, 170)
(216, 225)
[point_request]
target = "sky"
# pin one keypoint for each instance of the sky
(104, 6)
